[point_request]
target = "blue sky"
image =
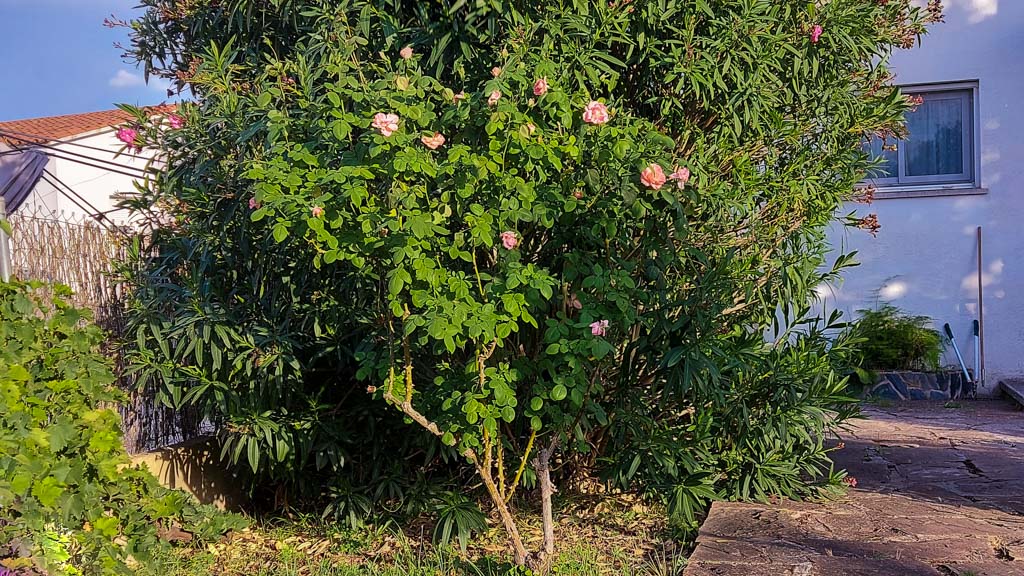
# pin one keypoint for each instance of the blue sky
(56, 57)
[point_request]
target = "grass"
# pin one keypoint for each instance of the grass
(579, 560)
(598, 536)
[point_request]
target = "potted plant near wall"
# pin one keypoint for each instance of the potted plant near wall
(901, 357)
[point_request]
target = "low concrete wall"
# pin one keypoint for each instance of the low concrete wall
(195, 468)
(919, 386)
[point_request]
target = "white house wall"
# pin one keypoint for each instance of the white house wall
(99, 186)
(924, 258)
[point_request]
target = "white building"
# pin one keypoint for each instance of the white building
(960, 168)
(86, 169)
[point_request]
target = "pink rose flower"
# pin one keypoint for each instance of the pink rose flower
(595, 113)
(496, 71)
(850, 481)
(540, 87)
(681, 176)
(386, 123)
(599, 328)
(530, 128)
(459, 97)
(176, 121)
(493, 98)
(509, 240)
(253, 204)
(653, 176)
(127, 135)
(317, 211)
(433, 142)
(816, 33)
(574, 302)
(405, 53)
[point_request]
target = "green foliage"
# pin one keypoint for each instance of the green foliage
(310, 248)
(457, 516)
(69, 501)
(891, 339)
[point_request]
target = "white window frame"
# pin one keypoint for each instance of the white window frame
(967, 182)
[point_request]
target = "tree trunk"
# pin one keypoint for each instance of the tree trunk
(522, 555)
(543, 466)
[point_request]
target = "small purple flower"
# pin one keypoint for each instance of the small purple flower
(599, 328)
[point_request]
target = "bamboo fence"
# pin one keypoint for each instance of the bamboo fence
(77, 251)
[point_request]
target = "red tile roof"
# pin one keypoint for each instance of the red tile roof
(58, 127)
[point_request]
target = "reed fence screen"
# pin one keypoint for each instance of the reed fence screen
(82, 253)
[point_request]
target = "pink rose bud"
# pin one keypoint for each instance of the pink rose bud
(433, 142)
(317, 211)
(653, 177)
(253, 204)
(176, 121)
(496, 71)
(681, 176)
(599, 328)
(509, 240)
(386, 123)
(405, 53)
(595, 113)
(493, 98)
(540, 87)
(574, 302)
(459, 97)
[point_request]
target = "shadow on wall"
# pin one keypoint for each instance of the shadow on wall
(195, 468)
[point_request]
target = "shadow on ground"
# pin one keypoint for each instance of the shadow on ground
(940, 492)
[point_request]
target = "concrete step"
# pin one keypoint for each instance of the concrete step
(1013, 389)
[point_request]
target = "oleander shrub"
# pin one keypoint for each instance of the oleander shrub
(555, 234)
(70, 503)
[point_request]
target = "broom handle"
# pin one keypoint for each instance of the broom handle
(981, 318)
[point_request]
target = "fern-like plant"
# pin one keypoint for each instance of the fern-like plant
(891, 339)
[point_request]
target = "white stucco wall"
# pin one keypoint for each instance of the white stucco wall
(99, 186)
(924, 259)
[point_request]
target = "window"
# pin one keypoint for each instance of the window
(939, 150)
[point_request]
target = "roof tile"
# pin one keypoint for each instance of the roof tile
(57, 127)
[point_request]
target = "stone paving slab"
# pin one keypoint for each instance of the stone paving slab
(940, 492)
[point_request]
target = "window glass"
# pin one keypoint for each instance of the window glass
(885, 154)
(939, 145)
(935, 145)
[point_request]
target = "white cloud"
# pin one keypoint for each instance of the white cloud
(159, 84)
(125, 79)
(977, 10)
(980, 9)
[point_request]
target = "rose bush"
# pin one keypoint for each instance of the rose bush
(546, 230)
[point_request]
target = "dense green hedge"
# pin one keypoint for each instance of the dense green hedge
(70, 503)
